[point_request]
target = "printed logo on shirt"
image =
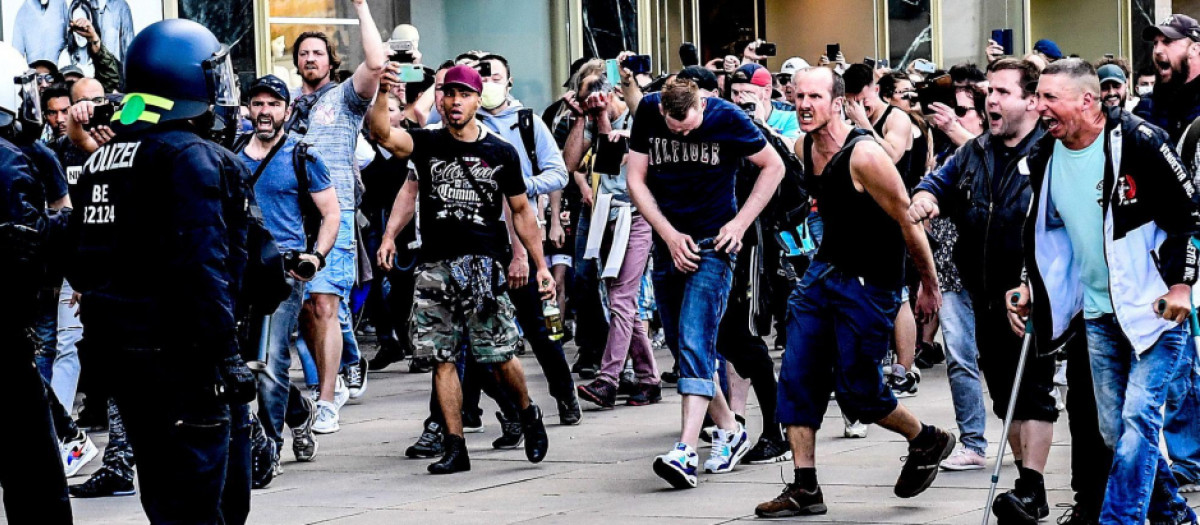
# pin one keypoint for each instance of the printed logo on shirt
(113, 156)
(73, 174)
(458, 194)
(1126, 191)
(324, 115)
(671, 151)
(1181, 174)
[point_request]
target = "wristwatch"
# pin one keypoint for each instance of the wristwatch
(320, 257)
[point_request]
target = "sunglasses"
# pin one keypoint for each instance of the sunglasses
(47, 78)
(961, 111)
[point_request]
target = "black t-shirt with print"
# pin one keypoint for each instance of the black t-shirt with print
(455, 220)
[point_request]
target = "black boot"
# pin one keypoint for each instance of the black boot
(455, 458)
(536, 440)
(510, 433)
(389, 352)
(1026, 503)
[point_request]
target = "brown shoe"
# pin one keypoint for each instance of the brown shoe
(794, 501)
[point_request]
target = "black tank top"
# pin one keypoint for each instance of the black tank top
(904, 165)
(860, 239)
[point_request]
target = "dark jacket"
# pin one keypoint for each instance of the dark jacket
(161, 245)
(988, 252)
(1151, 221)
(1172, 107)
(25, 232)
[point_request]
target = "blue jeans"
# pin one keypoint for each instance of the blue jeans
(1181, 428)
(838, 333)
(65, 376)
(1130, 392)
(962, 367)
(350, 352)
(691, 306)
(274, 383)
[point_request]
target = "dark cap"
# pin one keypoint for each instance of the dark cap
(1049, 48)
(464, 76)
(270, 84)
(72, 70)
(703, 78)
(48, 65)
(1174, 27)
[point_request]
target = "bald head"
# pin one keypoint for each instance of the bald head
(86, 88)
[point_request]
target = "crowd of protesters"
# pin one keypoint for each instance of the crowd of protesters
(826, 221)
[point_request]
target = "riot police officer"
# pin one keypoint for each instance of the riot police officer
(162, 225)
(37, 493)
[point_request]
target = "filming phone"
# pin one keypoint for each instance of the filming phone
(766, 49)
(612, 70)
(102, 115)
(401, 51)
(637, 64)
(1004, 37)
(411, 73)
(938, 89)
(832, 51)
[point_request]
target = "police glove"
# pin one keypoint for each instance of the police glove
(238, 384)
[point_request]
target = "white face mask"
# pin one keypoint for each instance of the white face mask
(493, 95)
(1143, 91)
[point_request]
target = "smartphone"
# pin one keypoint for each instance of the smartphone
(1004, 37)
(612, 70)
(938, 89)
(485, 69)
(411, 73)
(101, 116)
(766, 49)
(637, 64)
(922, 66)
(401, 51)
(883, 63)
(749, 108)
(870, 62)
(688, 56)
(832, 50)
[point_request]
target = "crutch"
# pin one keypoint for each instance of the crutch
(259, 365)
(1008, 416)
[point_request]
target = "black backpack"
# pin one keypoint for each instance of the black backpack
(790, 205)
(528, 139)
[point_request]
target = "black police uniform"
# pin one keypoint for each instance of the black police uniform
(37, 491)
(161, 227)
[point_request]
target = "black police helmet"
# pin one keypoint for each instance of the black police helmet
(175, 69)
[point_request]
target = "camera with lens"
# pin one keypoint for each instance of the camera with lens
(401, 51)
(293, 263)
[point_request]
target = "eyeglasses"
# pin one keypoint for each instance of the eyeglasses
(961, 111)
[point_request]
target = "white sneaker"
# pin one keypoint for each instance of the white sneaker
(964, 459)
(854, 429)
(327, 418)
(708, 434)
(678, 466)
(727, 450)
(341, 394)
(77, 452)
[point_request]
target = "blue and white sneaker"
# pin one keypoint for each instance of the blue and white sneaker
(727, 450)
(678, 466)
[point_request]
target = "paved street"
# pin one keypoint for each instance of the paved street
(598, 472)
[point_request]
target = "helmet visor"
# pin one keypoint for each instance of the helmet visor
(29, 97)
(222, 81)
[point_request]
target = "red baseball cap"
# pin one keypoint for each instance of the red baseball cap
(464, 76)
(752, 74)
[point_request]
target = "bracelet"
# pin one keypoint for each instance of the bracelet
(320, 257)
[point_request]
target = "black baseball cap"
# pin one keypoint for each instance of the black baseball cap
(1174, 27)
(270, 84)
(703, 78)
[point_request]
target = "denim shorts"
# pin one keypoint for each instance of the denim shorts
(341, 265)
(691, 306)
(838, 329)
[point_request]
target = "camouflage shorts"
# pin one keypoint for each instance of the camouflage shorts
(440, 325)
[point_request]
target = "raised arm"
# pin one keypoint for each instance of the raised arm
(395, 140)
(366, 77)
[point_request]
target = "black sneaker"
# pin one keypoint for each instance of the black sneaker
(355, 376)
(536, 440)
(429, 445)
(510, 433)
(104, 483)
(389, 353)
(599, 392)
(921, 465)
(472, 422)
(768, 451)
(454, 459)
(929, 354)
(569, 413)
(794, 501)
(1023, 504)
(304, 443)
(671, 377)
(626, 388)
(264, 457)
(420, 365)
(1077, 515)
(647, 394)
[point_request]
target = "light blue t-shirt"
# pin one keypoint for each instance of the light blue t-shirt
(1076, 188)
(333, 126)
(784, 123)
(278, 194)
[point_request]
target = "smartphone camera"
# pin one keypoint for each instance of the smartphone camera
(401, 51)
(766, 49)
(637, 64)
